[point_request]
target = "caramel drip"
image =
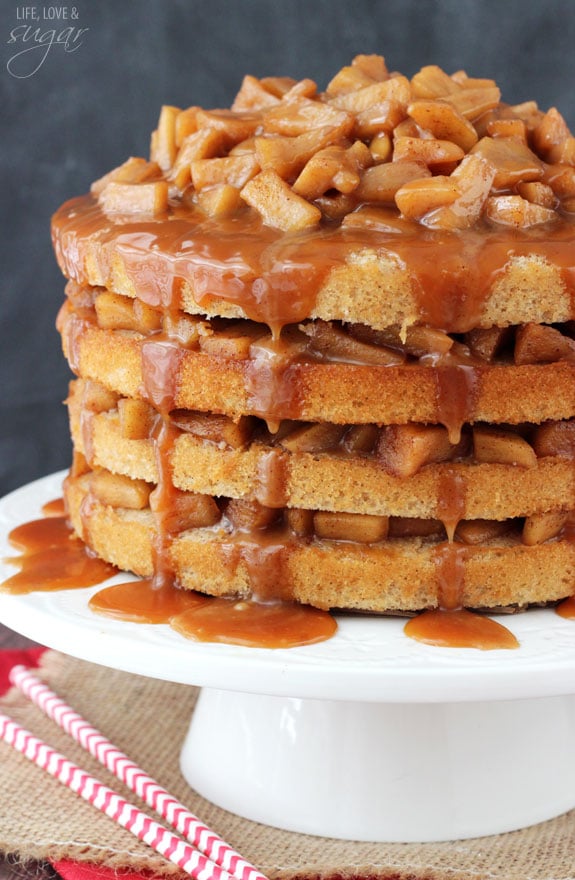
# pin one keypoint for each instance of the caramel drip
(56, 507)
(450, 625)
(162, 503)
(272, 478)
(264, 557)
(271, 382)
(274, 278)
(52, 558)
(451, 504)
(456, 396)
(161, 360)
(77, 322)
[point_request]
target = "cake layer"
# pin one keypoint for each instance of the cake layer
(335, 479)
(395, 575)
(369, 275)
(331, 392)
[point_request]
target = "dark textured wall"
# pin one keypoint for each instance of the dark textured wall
(71, 115)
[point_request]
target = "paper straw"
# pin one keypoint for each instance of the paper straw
(150, 791)
(109, 802)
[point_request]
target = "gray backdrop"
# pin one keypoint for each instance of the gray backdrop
(69, 116)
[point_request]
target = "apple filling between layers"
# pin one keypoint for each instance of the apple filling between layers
(325, 347)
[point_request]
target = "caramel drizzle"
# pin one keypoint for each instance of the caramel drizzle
(275, 279)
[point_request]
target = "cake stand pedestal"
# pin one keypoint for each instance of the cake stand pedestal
(369, 736)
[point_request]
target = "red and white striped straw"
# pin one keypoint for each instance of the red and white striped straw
(109, 802)
(150, 791)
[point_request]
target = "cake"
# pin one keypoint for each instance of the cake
(324, 347)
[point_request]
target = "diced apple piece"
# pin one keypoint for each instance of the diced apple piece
(381, 147)
(117, 312)
(508, 128)
(337, 345)
(300, 522)
(214, 427)
(361, 528)
(555, 438)
(234, 170)
(404, 449)
(233, 342)
(301, 115)
(132, 171)
(540, 527)
(396, 88)
(416, 198)
(136, 418)
(207, 143)
(117, 490)
(432, 82)
(443, 121)
(516, 211)
(502, 446)
(472, 103)
(474, 177)
(481, 531)
(221, 200)
(487, 342)
(188, 510)
(164, 147)
(541, 344)
(539, 193)
(429, 151)
(233, 126)
(380, 183)
(333, 168)
(278, 205)
(513, 160)
(135, 198)
(247, 515)
(318, 437)
(97, 398)
(360, 439)
(254, 95)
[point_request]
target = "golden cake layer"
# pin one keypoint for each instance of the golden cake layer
(343, 393)
(390, 575)
(328, 467)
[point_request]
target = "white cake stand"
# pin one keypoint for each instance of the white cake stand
(369, 736)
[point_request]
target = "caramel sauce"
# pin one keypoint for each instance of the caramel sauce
(55, 507)
(566, 608)
(459, 629)
(52, 558)
(208, 619)
(255, 624)
(143, 601)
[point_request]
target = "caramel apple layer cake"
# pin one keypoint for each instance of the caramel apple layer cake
(325, 347)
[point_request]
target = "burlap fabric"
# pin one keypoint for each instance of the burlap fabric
(40, 819)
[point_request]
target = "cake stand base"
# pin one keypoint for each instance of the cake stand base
(383, 772)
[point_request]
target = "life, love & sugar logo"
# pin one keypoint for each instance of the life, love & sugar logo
(34, 39)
